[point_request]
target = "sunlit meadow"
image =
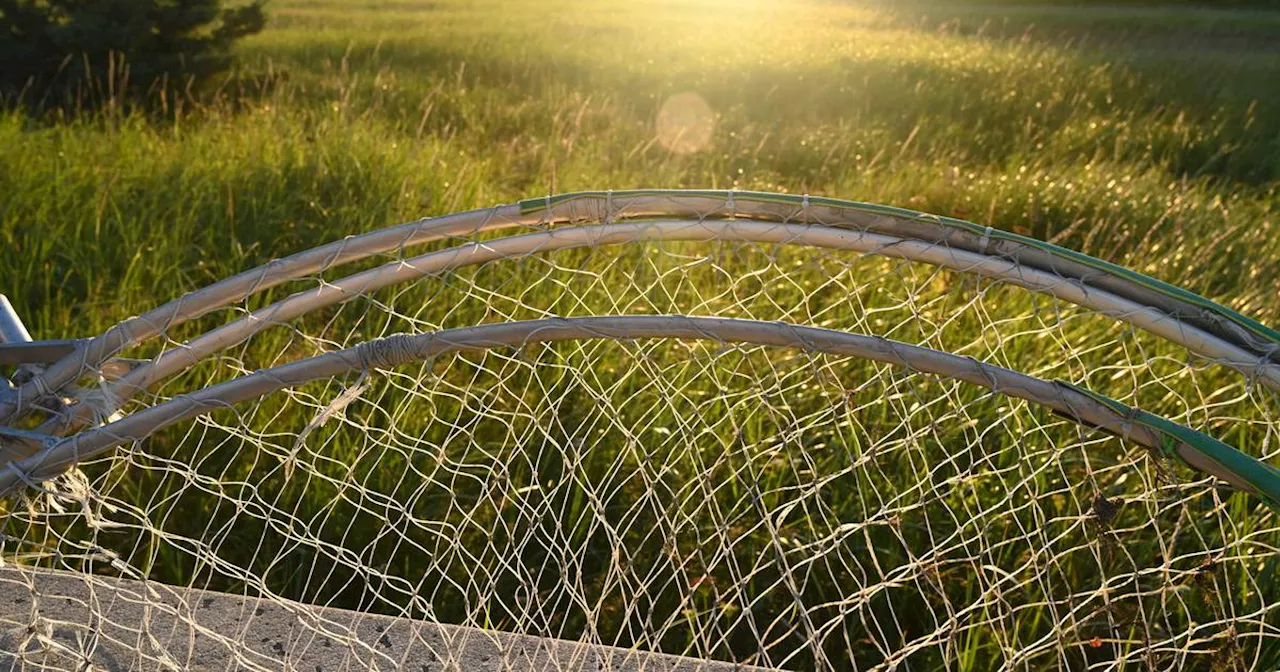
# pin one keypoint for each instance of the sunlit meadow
(1147, 136)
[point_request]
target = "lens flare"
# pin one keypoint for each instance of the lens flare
(685, 123)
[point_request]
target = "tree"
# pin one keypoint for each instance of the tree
(57, 50)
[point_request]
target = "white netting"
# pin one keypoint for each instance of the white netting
(764, 505)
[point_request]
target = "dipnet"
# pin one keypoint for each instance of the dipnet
(605, 430)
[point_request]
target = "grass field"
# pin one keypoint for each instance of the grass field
(1145, 135)
(384, 112)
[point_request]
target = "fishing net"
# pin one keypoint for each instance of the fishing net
(605, 430)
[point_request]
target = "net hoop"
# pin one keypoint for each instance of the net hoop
(671, 422)
(1231, 329)
(103, 403)
(1086, 408)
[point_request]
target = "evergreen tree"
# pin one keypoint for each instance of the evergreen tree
(68, 47)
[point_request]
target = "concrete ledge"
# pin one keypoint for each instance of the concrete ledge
(53, 620)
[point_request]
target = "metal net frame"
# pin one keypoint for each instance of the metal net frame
(743, 428)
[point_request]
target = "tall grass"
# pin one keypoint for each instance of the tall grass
(387, 112)
(351, 116)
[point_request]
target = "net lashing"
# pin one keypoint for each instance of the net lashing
(771, 501)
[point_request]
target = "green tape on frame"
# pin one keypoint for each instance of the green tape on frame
(1254, 327)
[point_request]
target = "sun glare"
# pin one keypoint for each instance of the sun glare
(685, 123)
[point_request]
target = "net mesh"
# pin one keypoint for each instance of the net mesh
(765, 506)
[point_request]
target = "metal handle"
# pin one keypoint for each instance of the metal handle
(11, 328)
